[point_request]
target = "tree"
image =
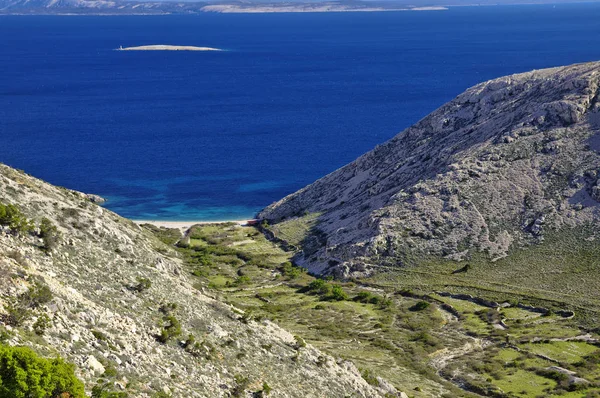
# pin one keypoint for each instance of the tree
(23, 374)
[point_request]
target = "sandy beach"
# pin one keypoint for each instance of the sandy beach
(184, 225)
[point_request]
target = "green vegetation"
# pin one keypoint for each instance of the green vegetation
(49, 234)
(295, 230)
(142, 284)
(565, 352)
(399, 329)
(23, 374)
(171, 329)
(19, 309)
(15, 220)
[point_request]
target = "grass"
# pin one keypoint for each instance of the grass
(567, 352)
(294, 231)
(460, 305)
(392, 337)
(514, 313)
(524, 383)
(507, 355)
(554, 273)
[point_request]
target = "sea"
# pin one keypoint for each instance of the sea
(219, 135)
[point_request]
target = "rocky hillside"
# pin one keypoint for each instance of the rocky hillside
(495, 169)
(79, 281)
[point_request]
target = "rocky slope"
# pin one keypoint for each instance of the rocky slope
(492, 170)
(103, 289)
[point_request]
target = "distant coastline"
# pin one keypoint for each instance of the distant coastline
(164, 47)
(304, 7)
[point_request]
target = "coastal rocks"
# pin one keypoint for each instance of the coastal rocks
(502, 163)
(95, 199)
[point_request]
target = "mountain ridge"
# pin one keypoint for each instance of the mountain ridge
(488, 171)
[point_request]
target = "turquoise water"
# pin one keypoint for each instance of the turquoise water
(219, 135)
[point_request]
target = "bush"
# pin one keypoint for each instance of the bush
(142, 285)
(300, 343)
(103, 390)
(370, 298)
(41, 324)
(241, 384)
(11, 216)
(239, 281)
(5, 335)
(37, 295)
(319, 286)
(337, 294)
(364, 297)
(168, 308)
(18, 310)
(290, 271)
(266, 390)
(420, 306)
(369, 377)
(49, 234)
(16, 314)
(171, 329)
(23, 374)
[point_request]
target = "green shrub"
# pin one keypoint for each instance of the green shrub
(266, 390)
(426, 339)
(241, 384)
(142, 285)
(11, 216)
(369, 377)
(171, 329)
(37, 295)
(99, 335)
(364, 297)
(239, 281)
(420, 306)
(16, 314)
(103, 390)
(290, 271)
(49, 234)
(5, 335)
(300, 343)
(41, 324)
(319, 286)
(23, 374)
(167, 308)
(337, 294)
(18, 310)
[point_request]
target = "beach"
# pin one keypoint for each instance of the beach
(185, 225)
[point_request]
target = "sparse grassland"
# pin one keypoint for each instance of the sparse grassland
(400, 329)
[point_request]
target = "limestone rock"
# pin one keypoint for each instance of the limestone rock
(503, 162)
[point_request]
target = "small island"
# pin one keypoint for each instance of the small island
(163, 47)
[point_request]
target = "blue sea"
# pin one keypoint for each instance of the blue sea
(220, 135)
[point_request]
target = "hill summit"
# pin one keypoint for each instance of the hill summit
(492, 170)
